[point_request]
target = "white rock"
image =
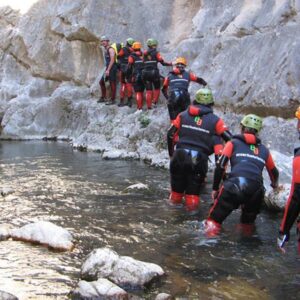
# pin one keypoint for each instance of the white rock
(6, 191)
(45, 233)
(122, 270)
(163, 296)
(276, 199)
(138, 186)
(100, 289)
(5, 232)
(7, 296)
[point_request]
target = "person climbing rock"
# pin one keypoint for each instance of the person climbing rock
(134, 72)
(244, 185)
(126, 84)
(110, 73)
(292, 206)
(192, 134)
(175, 87)
(151, 76)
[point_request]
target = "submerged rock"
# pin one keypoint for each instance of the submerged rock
(124, 271)
(45, 233)
(137, 186)
(100, 289)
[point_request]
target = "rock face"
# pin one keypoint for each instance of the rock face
(122, 270)
(51, 62)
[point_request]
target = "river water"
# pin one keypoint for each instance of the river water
(85, 194)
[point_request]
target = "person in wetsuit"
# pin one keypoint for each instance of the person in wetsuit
(244, 185)
(134, 71)
(126, 84)
(151, 76)
(292, 206)
(192, 135)
(175, 87)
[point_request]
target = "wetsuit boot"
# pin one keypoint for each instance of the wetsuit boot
(211, 228)
(129, 101)
(149, 99)
(139, 100)
(156, 94)
(192, 203)
(175, 198)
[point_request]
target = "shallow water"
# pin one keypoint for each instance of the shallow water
(84, 193)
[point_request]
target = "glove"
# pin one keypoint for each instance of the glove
(214, 195)
(282, 239)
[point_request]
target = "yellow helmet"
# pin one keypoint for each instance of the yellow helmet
(136, 46)
(180, 61)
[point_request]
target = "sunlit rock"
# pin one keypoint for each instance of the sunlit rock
(7, 296)
(163, 296)
(5, 232)
(124, 271)
(55, 47)
(276, 199)
(100, 289)
(45, 233)
(137, 186)
(6, 191)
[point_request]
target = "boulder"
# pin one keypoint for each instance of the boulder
(124, 271)
(44, 233)
(7, 296)
(100, 289)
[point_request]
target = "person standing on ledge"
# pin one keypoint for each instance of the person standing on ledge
(110, 73)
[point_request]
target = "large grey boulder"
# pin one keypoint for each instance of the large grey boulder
(124, 271)
(7, 296)
(100, 289)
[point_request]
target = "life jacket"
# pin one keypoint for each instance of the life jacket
(150, 59)
(197, 128)
(179, 81)
(117, 47)
(138, 62)
(249, 157)
(124, 59)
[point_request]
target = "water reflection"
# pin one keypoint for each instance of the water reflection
(85, 194)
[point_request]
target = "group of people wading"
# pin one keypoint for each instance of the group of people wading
(196, 132)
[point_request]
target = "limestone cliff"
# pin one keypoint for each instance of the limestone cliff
(50, 64)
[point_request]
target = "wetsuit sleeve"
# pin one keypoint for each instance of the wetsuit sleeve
(221, 165)
(165, 87)
(130, 66)
(172, 135)
(218, 148)
(199, 80)
(222, 130)
(121, 53)
(272, 171)
(161, 60)
(292, 206)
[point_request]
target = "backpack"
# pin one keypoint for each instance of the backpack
(117, 47)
